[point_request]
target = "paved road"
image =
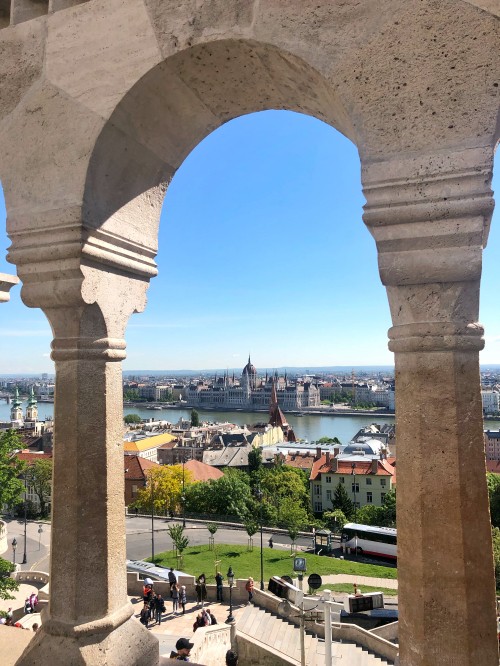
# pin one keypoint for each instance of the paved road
(138, 532)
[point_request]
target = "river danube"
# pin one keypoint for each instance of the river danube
(310, 427)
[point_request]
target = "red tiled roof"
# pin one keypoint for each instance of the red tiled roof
(299, 460)
(493, 466)
(201, 471)
(136, 467)
(320, 466)
(30, 457)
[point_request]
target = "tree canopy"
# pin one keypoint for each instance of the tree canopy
(132, 418)
(342, 501)
(39, 476)
(195, 418)
(11, 486)
(164, 488)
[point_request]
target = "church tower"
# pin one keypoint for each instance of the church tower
(32, 408)
(16, 413)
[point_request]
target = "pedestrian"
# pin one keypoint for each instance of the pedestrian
(213, 619)
(198, 622)
(159, 607)
(271, 543)
(183, 599)
(144, 615)
(203, 584)
(357, 592)
(249, 589)
(33, 601)
(207, 620)
(27, 606)
(35, 626)
(231, 658)
(174, 593)
(218, 585)
(172, 579)
(183, 647)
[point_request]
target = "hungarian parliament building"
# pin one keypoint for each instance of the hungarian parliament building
(250, 392)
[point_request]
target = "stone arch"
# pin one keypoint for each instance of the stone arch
(415, 86)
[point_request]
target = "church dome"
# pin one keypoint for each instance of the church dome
(249, 368)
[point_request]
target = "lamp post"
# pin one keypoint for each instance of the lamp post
(260, 496)
(183, 498)
(40, 530)
(353, 468)
(25, 558)
(14, 546)
(152, 519)
(230, 581)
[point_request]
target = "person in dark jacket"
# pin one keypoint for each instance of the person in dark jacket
(218, 584)
(144, 616)
(159, 605)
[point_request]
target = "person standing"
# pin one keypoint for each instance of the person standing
(183, 598)
(159, 607)
(183, 647)
(172, 579)
(174, 593)
(218, 584)
(144, 616)
(249, 589)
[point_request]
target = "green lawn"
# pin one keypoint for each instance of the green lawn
(198, 559)
(346, 587)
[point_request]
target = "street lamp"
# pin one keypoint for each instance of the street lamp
(40, 530)
(230, 581)
(353, 468)
(183, 498)
(14, 546)
(260, 496)
(152, 517)
(25, 558)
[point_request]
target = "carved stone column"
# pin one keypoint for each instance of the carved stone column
(430, 220)
(88, 287)
(6, 284)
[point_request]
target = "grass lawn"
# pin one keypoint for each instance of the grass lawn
(198, 559)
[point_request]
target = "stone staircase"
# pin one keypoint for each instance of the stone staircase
(283, 640)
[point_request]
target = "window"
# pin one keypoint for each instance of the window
(383, 482)
(328, 479)
(382, 497)
(368, 482)
(134, 490)
(355, 487)
(369, 498)
(341, 479)
(317, 489)
(318, 507)
(328, 494)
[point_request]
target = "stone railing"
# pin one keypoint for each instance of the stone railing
(377, 641)
(3, 537)
(39, 579)
(387, 631)
(135, 585)
(211, 644)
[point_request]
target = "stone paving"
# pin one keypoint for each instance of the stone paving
(174, 626)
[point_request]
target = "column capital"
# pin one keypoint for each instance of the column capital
(430, 218)
(87, 281)
(6, 284)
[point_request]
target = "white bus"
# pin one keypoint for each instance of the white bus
(369, 540)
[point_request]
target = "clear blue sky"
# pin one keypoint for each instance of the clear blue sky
(262, 250)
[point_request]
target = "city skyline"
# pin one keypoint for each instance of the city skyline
(262, 249)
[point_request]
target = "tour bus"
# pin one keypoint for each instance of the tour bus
(369, 540)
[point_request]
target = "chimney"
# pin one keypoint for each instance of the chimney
(328, 457)
(318, 453)
(374, 466)
(336, 451)
(335, 465)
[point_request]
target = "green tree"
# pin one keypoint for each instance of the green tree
(493, 482)
(495, 534)
(295, 517)
(180, 541)
(371, 515)
(164, 488)
(335, 519)
(281, 483)
(228, 495)
(39, 476)
(132, 418)
(342, 501)
(11, 485)
(329, 440)
(7, 584)
(389, 509)
(131, 395)
(195, 418)
(255, 460)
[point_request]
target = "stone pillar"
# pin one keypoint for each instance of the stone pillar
(430, 218)
(88, 296)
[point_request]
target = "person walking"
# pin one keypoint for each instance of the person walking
(183, 598)
(174, 593)
(249, 589)
(159, 607)
(218, 585)
(203, 587)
